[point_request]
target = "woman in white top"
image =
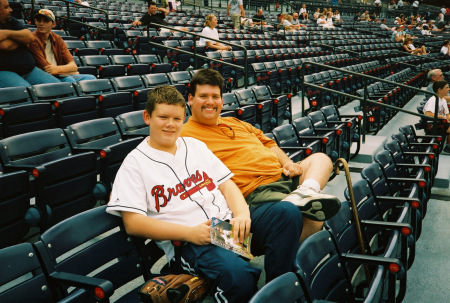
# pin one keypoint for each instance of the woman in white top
(330, 19)
(445, 50)
(337, 16)
(441, 89)
(317, 13)
(409, 47)
(321, 21)
(303, 12)
(210, 31)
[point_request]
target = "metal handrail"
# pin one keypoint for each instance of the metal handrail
(245, 67)
(69, 3)
(365, 99)
(199, 7)
(334, 37)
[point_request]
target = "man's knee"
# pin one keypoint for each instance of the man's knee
(318, 159)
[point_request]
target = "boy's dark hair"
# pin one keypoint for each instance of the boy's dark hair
(445, 42)
(439, 85)
(151, 3)
(164, 94)
(206, 76)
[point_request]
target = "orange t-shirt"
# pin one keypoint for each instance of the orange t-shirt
(248, 155)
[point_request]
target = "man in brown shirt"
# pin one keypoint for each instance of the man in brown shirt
(51, 53)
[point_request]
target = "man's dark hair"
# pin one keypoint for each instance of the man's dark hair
(151, 3)
(206, 76)
(164, 94)
(439, 85)
(445, 42)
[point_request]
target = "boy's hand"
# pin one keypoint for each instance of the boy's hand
(241, 227)
(201, 234)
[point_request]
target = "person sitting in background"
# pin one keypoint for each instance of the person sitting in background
(303, 14)
(210, 31)
(316, 13)
(293, 26)
(17, 65)
(383, 26)
(365, 16)
(330, 20)
(445, 50)
(85, 3)
(357, 16)
(409, 47)
(441, 89)
(154, 15)
(51, 53)
(425, 31)
(337, 16)
(321, 21)
(398, 35)
(258, 18)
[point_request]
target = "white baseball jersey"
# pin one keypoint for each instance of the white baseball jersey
(180, 188)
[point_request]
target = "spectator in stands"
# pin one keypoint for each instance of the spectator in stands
(447, 27)
(303, 13)
(154, 15)
(418, 18)
(445, 50)
(282, 23)
(402, 20)
(316, 13)
(85, 3)
(17, 65)
(294, 20)
(373, 17)
(357, 16)
(440, 21)
(441, 89)
(179, 201)
(262, 171)
(337, 16)
(291, 26)
(210, 31)
(433, 76)
(330, 20)
(321, 21)
(398, 35)
(258, 17)
(377, 3)
(400, 4)
(383, 26)
(432, 26)
(409, 47)
(443, 10)
(408, 32)
(425, 31)
(427, 14)
(51, 53)
(235, 9)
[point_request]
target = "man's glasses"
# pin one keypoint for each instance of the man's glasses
(226, 130)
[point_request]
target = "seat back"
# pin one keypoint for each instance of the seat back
(15, 202)
(93, 134)
(96, 244)
(132, 124)
(285, 288)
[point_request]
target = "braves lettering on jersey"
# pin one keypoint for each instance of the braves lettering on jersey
(181, 188)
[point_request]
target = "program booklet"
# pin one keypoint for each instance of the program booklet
(222, 235)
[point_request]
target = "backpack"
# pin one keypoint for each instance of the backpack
(173, 289)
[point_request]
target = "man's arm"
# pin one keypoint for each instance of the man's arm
(242, 10)
(150, 228)
(237, 204)
(290, 168)
(10, 40)
(164, 10)
(228, 9)
(431, 114)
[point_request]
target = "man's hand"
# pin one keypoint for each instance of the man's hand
(52, 69)
(135, 23)
(292, 169)
(201, 234)
(241, 227)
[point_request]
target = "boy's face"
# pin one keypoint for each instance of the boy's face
(206, 104)
(43, 24)
(165, 126)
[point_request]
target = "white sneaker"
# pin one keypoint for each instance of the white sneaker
(313, 205)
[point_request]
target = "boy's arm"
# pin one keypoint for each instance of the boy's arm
(237, 204)
(150, 228)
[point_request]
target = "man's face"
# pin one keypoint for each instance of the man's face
(295, 16)
(43, 24)
(260, 12)
(152, 9)
(206, 104)
(165, 124)
(438, 76)
(5, 11)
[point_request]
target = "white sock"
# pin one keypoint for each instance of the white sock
(311, 183)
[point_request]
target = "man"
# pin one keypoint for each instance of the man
(383, 25)
(262, 171)
(295, 20)
(169, 188)
(258, 18)
(398, 35)
(51, 53)
(235, 8)
(365, 16)
(17, 66)
(154, 15)
(433, 76)
(356, 17)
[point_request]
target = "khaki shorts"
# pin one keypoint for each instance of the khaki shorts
(236, 21)
(273, 192)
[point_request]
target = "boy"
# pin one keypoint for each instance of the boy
(170, 187)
